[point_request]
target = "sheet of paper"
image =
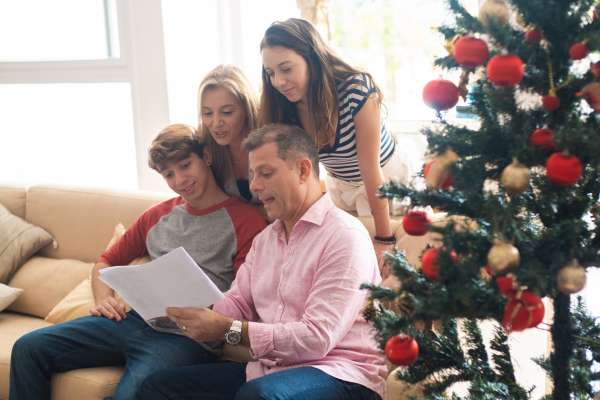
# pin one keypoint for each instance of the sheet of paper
(173, 280)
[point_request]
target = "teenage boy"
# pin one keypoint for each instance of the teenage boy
(215, 229)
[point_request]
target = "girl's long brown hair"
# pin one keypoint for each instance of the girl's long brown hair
(326, 71)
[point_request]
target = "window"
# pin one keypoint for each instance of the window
(395, 42)
(74, 90)
(57, 30)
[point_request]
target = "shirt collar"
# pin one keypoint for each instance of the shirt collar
(314, 215)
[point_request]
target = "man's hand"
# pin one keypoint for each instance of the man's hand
(110, 308)
(200, 324)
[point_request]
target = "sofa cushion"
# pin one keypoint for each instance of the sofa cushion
(45, 282)
(86, 383)
(13, 198)
(13, 326)
(8, 295)
(19, 240)
(81, 220)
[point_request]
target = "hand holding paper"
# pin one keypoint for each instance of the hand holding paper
(173, 280)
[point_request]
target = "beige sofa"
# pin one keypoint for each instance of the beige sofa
(82, 222)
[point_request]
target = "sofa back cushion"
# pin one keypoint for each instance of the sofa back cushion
(13, 198)
(45, 282)
(81, 220)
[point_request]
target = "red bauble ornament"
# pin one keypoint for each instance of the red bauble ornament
(595, 68)
(447, 182)
(505, 70)
(415, 223)
(440, 94)
(429, 262)
(533, 36)
(402, 350)
(563, 170)
(542, 138)
(506, 284)
(551, 102)
(578, 51)
(523, 310)
(470, 51)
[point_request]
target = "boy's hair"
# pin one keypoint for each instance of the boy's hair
(289, 139)
(174, 143)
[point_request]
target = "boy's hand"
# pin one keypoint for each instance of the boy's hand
(110, 308)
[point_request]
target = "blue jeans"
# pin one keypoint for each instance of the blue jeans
(96, 342)
(226, 381)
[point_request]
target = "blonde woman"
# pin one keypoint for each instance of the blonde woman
(227, 112)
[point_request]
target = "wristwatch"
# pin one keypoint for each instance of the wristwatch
(234, 334)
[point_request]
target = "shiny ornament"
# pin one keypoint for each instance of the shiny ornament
(523, 310)
(551, 102)
(563, 169)
(437, 175)
(444, 181)
(542, 138)
(502, 257)
(595, 69)
(402, 350)
(494, 10)
(470, 51)
(591, 94)
(571, 278)
(429, 262)
(533, 36)
(416, 223)
(440, 94)
(505, 70)
(515, 178)
(578, 51)
(507, 284)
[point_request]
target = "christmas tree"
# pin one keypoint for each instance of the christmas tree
(520, 191)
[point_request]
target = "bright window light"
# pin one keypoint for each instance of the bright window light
(67, 134)
(396, 42)
(41, 30)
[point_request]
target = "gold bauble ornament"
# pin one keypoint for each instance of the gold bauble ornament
(502, 257)
(515, 178)
(571, 278)
(438, 172)
(494, 10)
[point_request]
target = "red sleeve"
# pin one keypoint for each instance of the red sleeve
(248, 222)
(132, 243)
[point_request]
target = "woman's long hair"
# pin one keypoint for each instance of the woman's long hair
(326, 70)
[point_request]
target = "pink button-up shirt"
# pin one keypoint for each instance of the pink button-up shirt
(304, 299)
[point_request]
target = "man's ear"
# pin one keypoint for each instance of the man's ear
(207, 156)
(305, 167)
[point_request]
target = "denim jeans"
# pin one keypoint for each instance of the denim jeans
(96, 342)
(226, 381)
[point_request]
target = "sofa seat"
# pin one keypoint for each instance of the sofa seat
(90, 383)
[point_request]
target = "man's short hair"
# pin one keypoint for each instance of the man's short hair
(288, 138)
(174, 143)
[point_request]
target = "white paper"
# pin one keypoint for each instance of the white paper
(173, 280)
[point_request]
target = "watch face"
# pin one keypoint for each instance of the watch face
(233, 337)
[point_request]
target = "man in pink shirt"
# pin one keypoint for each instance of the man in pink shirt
(295, 301)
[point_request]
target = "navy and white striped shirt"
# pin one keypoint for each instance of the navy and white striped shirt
(341, 160)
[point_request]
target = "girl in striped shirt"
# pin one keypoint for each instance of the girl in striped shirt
(306, 84)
